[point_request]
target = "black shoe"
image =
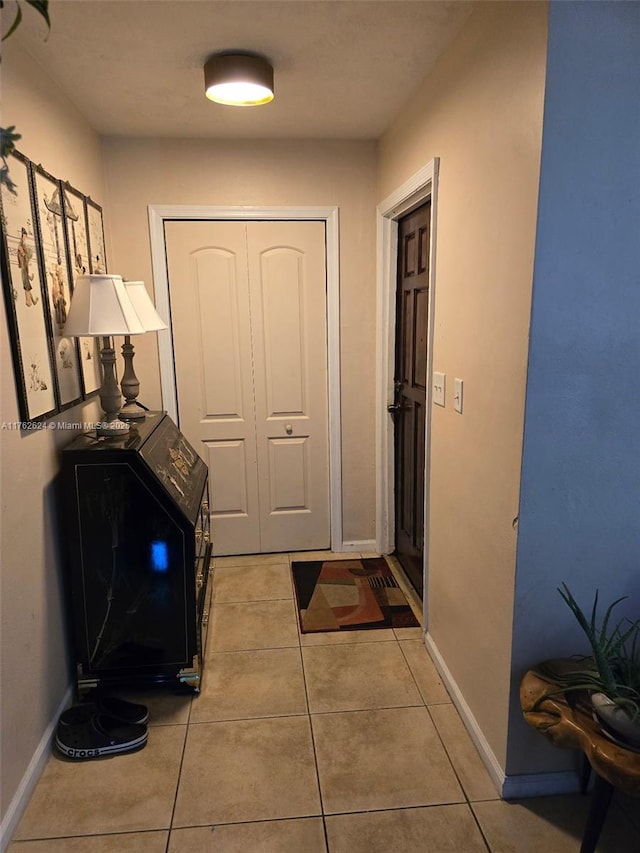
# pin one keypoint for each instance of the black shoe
(121, 709)
(97, 736)
(99, 703)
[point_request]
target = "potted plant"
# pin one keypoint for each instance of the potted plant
(610, 675)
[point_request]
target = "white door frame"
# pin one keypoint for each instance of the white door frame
(420, 187)
(158, 213)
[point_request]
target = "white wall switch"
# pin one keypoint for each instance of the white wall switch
(457, 395)
(439, 383)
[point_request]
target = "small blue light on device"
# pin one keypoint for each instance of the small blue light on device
(159, 557)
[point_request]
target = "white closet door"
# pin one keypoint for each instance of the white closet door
(287, 283)
(248, 313)
(209, 291)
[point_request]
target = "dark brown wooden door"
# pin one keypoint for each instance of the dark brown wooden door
(409, 408)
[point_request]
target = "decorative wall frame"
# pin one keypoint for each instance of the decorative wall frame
(25, 298)
(49, 234)
(75, 228)
(57, 285)
(95, 228)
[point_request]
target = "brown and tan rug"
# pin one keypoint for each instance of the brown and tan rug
(349, 595)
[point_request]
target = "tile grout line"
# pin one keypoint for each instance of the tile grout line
(254, 600)
(415, 680)
(304, 714)
(437, 731)
(253, 649)
(364, 710)
(462, 787)
(339, 643)
(250, 719)
(175, 798)
(480, 830)
(188, 724)
(306, 696)
(109, 833)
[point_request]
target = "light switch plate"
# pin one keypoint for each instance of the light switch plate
(439, 388)
(457, 395)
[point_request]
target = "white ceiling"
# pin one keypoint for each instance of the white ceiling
(343, 68)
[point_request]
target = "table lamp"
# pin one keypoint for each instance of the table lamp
(152, 322)
(100, 308)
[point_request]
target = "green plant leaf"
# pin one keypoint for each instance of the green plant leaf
(614, 665)
(605, 623)
(14, 26)
(8, 138)
(608, 646)
(6, 181)
(41, 6)
(616, 662)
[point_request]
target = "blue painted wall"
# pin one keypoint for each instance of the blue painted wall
(580, 493)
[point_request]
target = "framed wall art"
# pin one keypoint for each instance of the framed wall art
(55, 268)
(75, 228)
(25, 297)
(95, 226)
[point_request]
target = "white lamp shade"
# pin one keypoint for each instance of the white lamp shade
(101, 307)
(144, 307)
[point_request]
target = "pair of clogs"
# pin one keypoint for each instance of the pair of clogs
(104, 726)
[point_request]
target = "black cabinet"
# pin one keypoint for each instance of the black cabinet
(136, 521)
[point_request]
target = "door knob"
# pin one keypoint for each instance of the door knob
(394, 407)
(289, 429)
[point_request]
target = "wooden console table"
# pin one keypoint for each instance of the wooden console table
(569, 725)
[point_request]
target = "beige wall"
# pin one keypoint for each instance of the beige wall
(480, 112)
(35, 673)
(143, 172)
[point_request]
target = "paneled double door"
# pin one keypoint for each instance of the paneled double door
(248, 317)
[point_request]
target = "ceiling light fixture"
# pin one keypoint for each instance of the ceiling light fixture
(238, 79)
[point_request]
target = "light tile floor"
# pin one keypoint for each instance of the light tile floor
(323, 743)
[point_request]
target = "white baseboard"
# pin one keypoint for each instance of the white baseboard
(31, 776)
(486, 753)
(509, 787)
(364, 546)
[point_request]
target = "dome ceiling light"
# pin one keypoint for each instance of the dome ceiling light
(238, 79)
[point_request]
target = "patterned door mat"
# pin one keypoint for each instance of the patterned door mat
(349, 595)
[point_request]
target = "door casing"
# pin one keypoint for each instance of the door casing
(420, 187)
(158, 213)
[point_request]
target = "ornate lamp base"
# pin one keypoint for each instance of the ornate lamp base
(131, 411)
(110, 398)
